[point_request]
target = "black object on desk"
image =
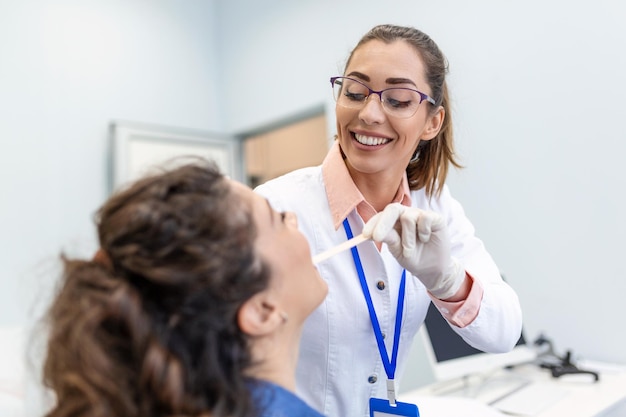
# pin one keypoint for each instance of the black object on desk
(558, 365)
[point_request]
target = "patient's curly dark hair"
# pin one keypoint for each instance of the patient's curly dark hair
(154, 333)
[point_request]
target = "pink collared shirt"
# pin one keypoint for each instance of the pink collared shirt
(344, 196)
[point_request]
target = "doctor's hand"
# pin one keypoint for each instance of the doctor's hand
(419, 240)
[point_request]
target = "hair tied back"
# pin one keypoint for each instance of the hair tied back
(102, 258)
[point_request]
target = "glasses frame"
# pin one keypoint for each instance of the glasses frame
(423, 96)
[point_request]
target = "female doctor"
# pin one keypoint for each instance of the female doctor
(385, 177)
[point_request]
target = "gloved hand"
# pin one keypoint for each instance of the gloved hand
(419, 240)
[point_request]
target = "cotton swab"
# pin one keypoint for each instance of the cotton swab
(339, 248)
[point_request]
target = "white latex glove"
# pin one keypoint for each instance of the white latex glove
(419, 240)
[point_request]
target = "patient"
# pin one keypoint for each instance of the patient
(192, 306)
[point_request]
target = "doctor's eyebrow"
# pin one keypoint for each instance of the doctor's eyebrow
(392, 80)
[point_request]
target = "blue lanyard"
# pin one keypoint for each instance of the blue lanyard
(390, 365)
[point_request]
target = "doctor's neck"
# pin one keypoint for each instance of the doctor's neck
(378, 189)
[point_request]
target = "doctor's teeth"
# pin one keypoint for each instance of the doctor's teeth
(370, 140)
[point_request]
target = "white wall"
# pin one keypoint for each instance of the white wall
(67, 69)
(539, 107)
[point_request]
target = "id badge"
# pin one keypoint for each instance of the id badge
(382, 408)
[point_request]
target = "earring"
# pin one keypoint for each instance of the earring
(284, 316)
(416, 157)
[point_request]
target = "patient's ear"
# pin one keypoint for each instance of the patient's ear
(259, 316)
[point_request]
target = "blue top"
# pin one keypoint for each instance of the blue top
(276, 401)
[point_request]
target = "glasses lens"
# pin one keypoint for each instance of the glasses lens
(349, 93)
(400, 102)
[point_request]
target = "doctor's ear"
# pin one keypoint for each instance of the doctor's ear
(434, 122)
(258, 316)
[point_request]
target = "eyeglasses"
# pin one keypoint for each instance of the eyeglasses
(396, 101)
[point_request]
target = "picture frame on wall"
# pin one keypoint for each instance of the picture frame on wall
(140, 148)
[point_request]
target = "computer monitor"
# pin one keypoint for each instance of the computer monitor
(451, 357)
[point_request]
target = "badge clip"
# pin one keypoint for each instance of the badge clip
(391, 392)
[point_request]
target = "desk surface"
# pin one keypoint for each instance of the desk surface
(584, 398)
